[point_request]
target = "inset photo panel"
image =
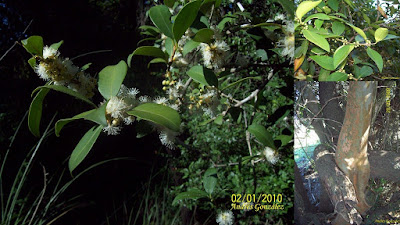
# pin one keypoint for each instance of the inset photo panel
(347, 152)
(340, 40)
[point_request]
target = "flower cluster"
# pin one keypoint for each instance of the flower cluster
(214, 55)
(270, 155)
(117, 113)
(225, 218)
(117, 108)
(288, 41)
(62, 71)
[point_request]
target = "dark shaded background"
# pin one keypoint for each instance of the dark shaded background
(84, 26)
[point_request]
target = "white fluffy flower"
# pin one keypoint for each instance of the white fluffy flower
(167, 138)
(225, 218)
(160, 100)
(116, 107)
(129, 120)
(71, 68)
(174, 106)
(42, 71)
(132, 92)
(112, 130)
(144, 99)
(280, 16)
(49, 52)
(173, 93)
(270, 154)
(214, 54)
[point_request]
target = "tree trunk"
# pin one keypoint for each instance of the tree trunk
(329, 100)
(351, 153)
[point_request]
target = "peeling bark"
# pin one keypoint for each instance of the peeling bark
(351, 153)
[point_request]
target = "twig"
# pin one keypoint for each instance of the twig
(89, 53)
(15, 43)
(41, 197)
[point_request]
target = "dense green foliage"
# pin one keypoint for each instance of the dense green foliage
(340, 40)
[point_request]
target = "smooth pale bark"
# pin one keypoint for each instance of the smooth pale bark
(351, 152)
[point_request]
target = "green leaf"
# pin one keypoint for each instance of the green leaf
(341, 54)
(381, 34)
(334, 4)
(203, 75)
(287, 5)
(285, 139)
(83, 147)
(320, 16)
(150, 51)
(391, 36)
(305, 7)
(160, 16)
(191, 194)
(32, 62)
(34, 45)
(156, 60)
(376, 57)
(302, 50)
(204, 35)
(129, 59)
(262, 135)
(324, 61)
(159, 114)
(111, 78)
(96, 115)
(317, 39)
(365, 71)
(149, 30)
(318, 23)
(323, 74)
(65, 90)
(169, 3)
(359, 31)
(35, 112)
(210, 180)
(57, 45)
(337, 76)
(219, 119)
(338, 27)
(261, 53)
(185, 18)
(189, 46)
(169, 46)
(86, 66)
(221, 25)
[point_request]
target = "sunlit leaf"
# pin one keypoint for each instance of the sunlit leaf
(159, 114)
(210, 180)
(83, 147)
(262, 135)
(317, 39)
(203, 75)
(337, 76)
(95, 115)
(376, 57)
(341, 54)
(111, 78)
(185, 18)
(324, 61)
(67, 91)
(191, 194)
(305, 7)
(35, 112)
(160, 16)
(381, 34)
